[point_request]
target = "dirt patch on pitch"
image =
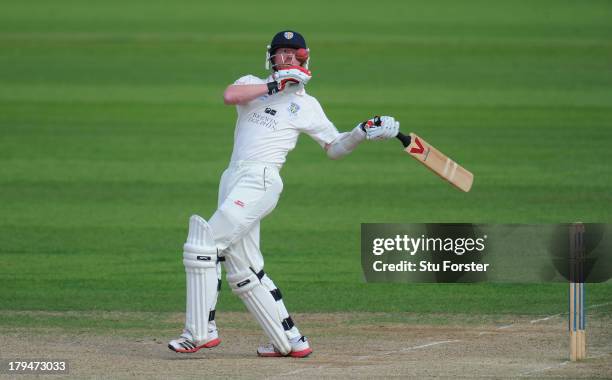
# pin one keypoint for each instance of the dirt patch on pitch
(356, 345)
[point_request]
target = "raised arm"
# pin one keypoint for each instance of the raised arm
(244, 93)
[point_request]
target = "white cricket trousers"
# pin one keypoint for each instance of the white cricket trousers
(249, 190)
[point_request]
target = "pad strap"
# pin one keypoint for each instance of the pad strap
(288, 323)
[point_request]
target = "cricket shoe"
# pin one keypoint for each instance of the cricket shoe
(186, 344)
(299, 349)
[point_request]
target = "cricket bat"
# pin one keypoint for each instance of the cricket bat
(437, 161)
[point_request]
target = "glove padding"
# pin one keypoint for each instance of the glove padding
(293, 74)
(380, 128)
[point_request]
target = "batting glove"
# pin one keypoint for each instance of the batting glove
(380, 128)
(289, 76)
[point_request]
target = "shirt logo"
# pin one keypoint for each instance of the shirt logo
(288, 35)
(264, 120)
(293, 109)
(270, 111)
(239, 203)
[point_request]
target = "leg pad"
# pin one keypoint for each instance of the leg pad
(260, 302)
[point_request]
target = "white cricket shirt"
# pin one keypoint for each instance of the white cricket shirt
(268, 127)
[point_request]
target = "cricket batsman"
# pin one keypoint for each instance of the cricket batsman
(272, 112)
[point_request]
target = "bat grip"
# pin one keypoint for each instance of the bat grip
(404, 139)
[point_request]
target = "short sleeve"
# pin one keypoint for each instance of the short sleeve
(320, 128)
(249, 79)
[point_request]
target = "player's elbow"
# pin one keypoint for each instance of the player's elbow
(334, 156)
(230, 98)
(332, 153)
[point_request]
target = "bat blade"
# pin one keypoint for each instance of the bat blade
(439, 163)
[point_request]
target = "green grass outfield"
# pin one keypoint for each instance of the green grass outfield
(113, 131)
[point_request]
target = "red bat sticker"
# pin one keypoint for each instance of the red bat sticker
(420, 149)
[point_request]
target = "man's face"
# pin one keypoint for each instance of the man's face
(285, 57)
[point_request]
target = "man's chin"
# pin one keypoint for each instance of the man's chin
(283, 67)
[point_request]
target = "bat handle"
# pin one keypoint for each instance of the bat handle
(404, 139)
